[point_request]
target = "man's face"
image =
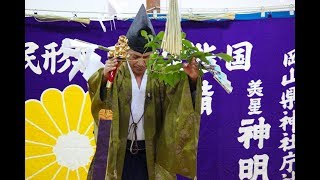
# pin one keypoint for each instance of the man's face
(137, 61)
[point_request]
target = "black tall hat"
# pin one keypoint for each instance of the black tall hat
(141, 22)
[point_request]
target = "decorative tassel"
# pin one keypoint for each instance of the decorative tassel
(172, 42)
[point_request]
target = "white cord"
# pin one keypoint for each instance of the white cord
(193, 13)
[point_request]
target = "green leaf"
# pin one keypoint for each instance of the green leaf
(176, 77)
(183, 35)
(187, 43)
(161, 77)
(173, 68)
(200, 55)
(160, 35)
(150, 63)
(162, 61)
(184, 56)
(169, 79)
(150, 37)
(154, 75)
(153, 56)
(204, 59)
(183, 75)
(144, 34)
(172, 79)
(208, 54)
(197, 54)
(149, 44)
(201, 72)
(224, 56)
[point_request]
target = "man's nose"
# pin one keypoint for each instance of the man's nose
(141, 62)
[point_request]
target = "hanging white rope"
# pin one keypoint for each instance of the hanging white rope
(172, 42)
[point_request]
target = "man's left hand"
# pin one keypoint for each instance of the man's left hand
(191, 69)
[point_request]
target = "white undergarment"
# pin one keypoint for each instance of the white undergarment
(137, 105)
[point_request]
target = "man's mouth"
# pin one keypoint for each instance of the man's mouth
(140, 67)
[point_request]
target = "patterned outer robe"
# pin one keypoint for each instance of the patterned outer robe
(171, 124)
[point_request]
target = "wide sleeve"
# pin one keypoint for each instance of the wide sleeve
(178, 140)
(100, 98)
(97, 92)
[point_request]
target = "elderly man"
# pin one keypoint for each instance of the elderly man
(154, 127)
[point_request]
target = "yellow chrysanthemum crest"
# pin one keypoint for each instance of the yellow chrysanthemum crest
(59, 141)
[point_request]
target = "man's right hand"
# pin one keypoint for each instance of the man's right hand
(110, 65)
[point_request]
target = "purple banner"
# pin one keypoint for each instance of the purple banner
(248, 134)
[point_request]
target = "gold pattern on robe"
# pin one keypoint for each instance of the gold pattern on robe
(105, 114)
